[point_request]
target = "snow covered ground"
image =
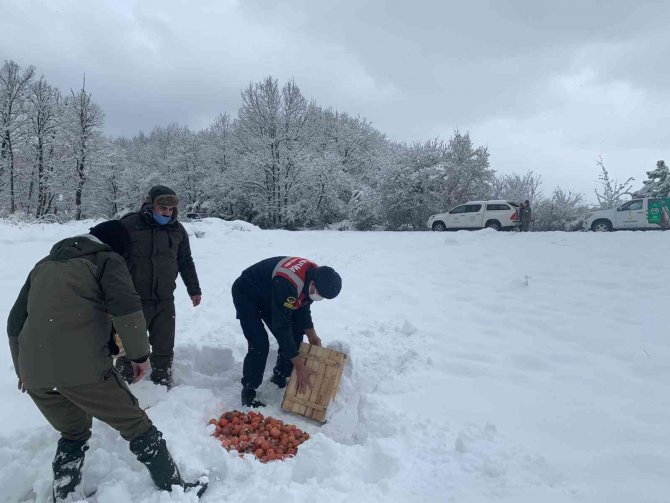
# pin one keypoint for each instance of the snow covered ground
(484, 367)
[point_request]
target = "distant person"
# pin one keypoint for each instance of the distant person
(59, 336)
(519, 213)
(527, 216)
(279, 291)
(160, 250)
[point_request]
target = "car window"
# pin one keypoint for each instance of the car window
(632, 205)
(472, 208)
(497, 207)
(511, 203)
(458, 209)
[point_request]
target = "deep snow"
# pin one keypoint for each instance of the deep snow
(484, 367)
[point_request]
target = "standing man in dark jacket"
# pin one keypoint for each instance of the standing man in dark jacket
(526, 216)
(519, 212)
(59, 336)
(160, 250)
(279, 292)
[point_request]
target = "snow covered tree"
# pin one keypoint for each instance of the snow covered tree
(85, 120)
(408, 195)
(516, 187)
(469, 175)
(611, 191)
(363, 209)
(272, 140)
(14, 85)
(45, 118)
(560, 212)
(658, 184)
(432, 177)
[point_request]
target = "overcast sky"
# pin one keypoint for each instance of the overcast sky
(546, 85)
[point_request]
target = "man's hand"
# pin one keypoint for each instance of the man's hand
(302, 373)
(139, 370)
(196, 299)
(312, 337)
(21, 386)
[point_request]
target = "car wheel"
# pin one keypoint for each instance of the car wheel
(439, 227)
(493, 224)
(601, 226)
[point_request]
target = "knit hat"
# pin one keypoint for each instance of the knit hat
(114, 234)
(160, 194)
(327, 282)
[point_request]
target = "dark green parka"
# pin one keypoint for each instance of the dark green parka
(59, 328)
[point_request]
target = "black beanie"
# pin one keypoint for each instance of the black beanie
(327, 282)
(114, 234)
(161, 194)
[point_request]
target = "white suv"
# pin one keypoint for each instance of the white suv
(496, 215)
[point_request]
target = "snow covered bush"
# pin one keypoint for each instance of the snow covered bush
(558, 213)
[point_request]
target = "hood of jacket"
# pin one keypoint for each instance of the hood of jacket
(77, 246)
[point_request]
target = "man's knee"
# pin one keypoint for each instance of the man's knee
(259, 345)
(67, 418)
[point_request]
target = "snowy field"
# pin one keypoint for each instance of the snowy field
(485, 367)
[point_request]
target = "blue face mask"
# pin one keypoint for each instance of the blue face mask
(161, 219)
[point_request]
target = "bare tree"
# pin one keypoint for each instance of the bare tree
(44, 120)
(13, 86)
(86, 120)
(611, 190)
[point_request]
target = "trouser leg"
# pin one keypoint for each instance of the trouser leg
(111, 402)
(161, 325)
(258, 346)
(74, 425)
(71, 421)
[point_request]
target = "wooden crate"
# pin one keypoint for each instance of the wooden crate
(314, 403)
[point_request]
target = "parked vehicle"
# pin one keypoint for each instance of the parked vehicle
(195, 217)
(498, 215)
(636, 214)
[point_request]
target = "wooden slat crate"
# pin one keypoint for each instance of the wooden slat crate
(314, 403)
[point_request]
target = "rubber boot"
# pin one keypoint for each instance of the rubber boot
(67, 468)
(125, 368)
(151, 450)
(279, 380)
(249, 398)
(161, 372)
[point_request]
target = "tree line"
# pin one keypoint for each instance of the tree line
(282, 161)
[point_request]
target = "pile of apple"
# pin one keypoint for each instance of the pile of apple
(267, 438)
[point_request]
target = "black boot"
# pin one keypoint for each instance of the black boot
(151, 450)
(161, 372)
(249, 398)
(67, 467)
(124, 367)
(279, 380)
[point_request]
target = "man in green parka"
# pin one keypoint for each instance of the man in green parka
(59, 336)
